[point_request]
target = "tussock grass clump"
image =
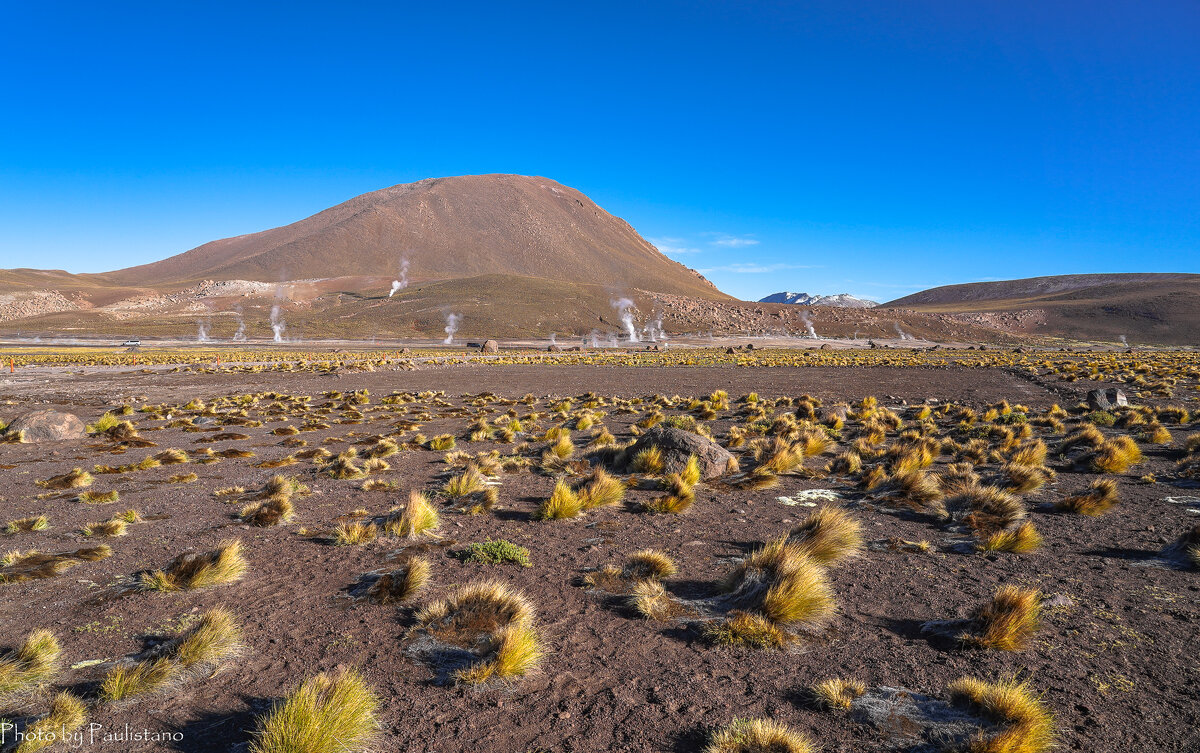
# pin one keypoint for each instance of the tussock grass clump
(512, 651)
(109, 528)
(344, 467)
(465, 484)
(170, 457)
(328, 712)
(740, 628)
(1023, 479)
(354, 534)
(1186, 548)
(183, 478)
(838, 692)
(193, 570)
(785, 585)
(25, 525)
(441, 443)
(1029, 728)
(268, 512)
(76, 478)
(651, 601)
(401, 584)
(201, 649)
(845, 463)
(987, 509)
(649, 460)
(1007, 621)
(497, 553)
(67, 713)
(562, 503)
(649, 564)
(99, 498)
(1019, 540)
(1100, 497)
(601, 490)
(417, 517)
(828, 535)
(1087, 436)
(17, 567)
(30, 665)
(1115, 455)
(758, 736)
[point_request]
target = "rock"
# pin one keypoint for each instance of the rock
(826, 346)
(1106, 399)
(833, 413)
(676, 445)
(490, 346)
(554, 349)
(48, 426)
(729, 351)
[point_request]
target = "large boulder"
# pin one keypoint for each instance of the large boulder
(1106, 399)
(677, 445)
(490, 346)
(48, 426)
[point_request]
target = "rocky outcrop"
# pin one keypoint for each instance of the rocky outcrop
(677, 445)
(47, 426)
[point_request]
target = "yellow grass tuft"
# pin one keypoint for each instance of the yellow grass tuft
(192, 570)
(601, 490)
(1020, 540)
(649, 460)
(328, 712)
(401, 584)
(562, 503)
(74, 479)
(1007, 622)
(785, 585)
(25, 525)
(758, 736)
(649, 564)
(838, 692)
(1098, 499)
(1115, 455)
(513, 651)
(650, 600)
(740, 628)
(1029, 728)
(67, 713)
(418, 517)
(99, 498)
(354, 534)
(828, 535)
(32, 664)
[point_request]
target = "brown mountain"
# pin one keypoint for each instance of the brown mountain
(1152, 308)
(445, 228)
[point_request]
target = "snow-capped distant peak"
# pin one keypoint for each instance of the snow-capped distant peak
(844, 300)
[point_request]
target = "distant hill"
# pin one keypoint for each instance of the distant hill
(1158, 308)
(442, 229)
(844, 300)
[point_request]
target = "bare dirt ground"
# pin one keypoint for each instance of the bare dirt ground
(1115, 661)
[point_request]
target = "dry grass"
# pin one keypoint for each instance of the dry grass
(465, 484)
(74, 479)
(418, 517)
(17, 567)
(354, 534)
(562, 503)
(1023, 479)
(512, 651)
(32, 664)
(25, 525)
(1115, 456)
(193, 570)
(402, 584)
(740, 628)
(328, 712)
(1029, 728)
(1020, 540)
(838, 692)
(268, 512)
(1100, 497)
(99, 498)
(650, 600)
(1007, 622)
(758, 736)
(649, 564)
(109, 528)
(828, 535)
(649, 460)
(67, 713)
(601, 490)
(781, 582)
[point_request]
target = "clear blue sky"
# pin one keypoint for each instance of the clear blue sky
(876, 148)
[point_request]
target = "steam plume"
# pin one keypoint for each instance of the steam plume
(1124, 341)
(812, 333)
(623, 308)
(201, 331)
(903, 335)
(452, 321)
(402, 282)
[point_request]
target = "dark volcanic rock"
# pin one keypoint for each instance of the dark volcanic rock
(677, 445)
(48, 426)
(1106, 399)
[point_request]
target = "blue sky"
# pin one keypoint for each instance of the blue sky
(875, 148)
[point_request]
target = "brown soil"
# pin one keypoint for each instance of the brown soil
(1116, 667)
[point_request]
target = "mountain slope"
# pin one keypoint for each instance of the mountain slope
(444, 228)
(1163, 308)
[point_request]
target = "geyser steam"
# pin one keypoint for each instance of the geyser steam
(452, 321)
(201, 331)
(402, 282)
(903, 335)
(623, 307)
